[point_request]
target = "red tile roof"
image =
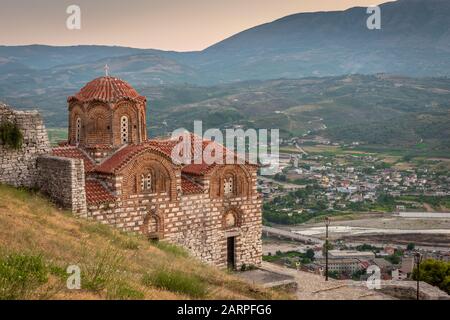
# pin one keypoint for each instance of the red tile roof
(74, 153)
(190, 187)
(107, 89)
(164, 147)
(119, 159)
(96, 193)
(204, 168)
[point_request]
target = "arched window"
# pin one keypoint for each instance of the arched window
(228, 186)
(146, 182)
(124, 129)
(78, 130)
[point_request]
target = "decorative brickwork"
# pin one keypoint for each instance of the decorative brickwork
(18, 167)
(99, 112)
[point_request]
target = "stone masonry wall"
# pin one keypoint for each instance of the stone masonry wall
(63, 180)
(18, 167)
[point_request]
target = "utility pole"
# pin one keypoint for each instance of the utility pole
(327, 223)
(418, 258)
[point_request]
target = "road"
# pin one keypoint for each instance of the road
(301, 149)
(291, 235)
(286, 234)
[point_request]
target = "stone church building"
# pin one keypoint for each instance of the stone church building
(123, 179)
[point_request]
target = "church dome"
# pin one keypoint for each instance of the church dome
(107, 89)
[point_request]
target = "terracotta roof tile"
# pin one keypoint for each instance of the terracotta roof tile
(121, 157)
(74, 153)
(96, 193)
(190, 187)
(107, 89)
(164, 147)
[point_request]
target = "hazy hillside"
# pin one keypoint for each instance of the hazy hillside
(383, 110)
(377, 110)
(42, 57)
(414, 40)
(38, 242)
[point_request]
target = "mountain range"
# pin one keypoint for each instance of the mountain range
(321, 47)
(414, 40)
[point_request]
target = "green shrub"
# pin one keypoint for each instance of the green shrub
(435, 272)
(99, 272)
(21, 275)
(10, 135)
(176, 281)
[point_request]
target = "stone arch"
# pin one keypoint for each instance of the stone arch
(153, 225)
(162, 173)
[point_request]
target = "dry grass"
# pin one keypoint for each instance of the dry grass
(114, 265)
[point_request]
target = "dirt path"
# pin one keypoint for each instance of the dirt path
(428, 207)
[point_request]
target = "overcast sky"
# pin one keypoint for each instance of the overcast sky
(180, 25)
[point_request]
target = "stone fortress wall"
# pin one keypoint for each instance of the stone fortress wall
(62, 180)
(31, 166)
(19, 167)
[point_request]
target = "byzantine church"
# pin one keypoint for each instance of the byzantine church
(132, 183)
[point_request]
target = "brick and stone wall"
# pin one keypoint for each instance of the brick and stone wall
(194, 221)
(18, 167)
(63, 180)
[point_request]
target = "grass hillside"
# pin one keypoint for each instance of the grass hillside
(38, 242)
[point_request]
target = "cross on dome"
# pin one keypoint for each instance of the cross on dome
(106, 70)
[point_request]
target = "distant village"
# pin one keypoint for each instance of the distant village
(350, 182)
(323, 183)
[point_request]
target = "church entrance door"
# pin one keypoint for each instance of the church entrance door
(231, 263)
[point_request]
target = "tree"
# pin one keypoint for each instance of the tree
(410, 246)
(280, 177)
(436, 273)
(310, 254)
(10, 135)
(394, 259)
(324, 248)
